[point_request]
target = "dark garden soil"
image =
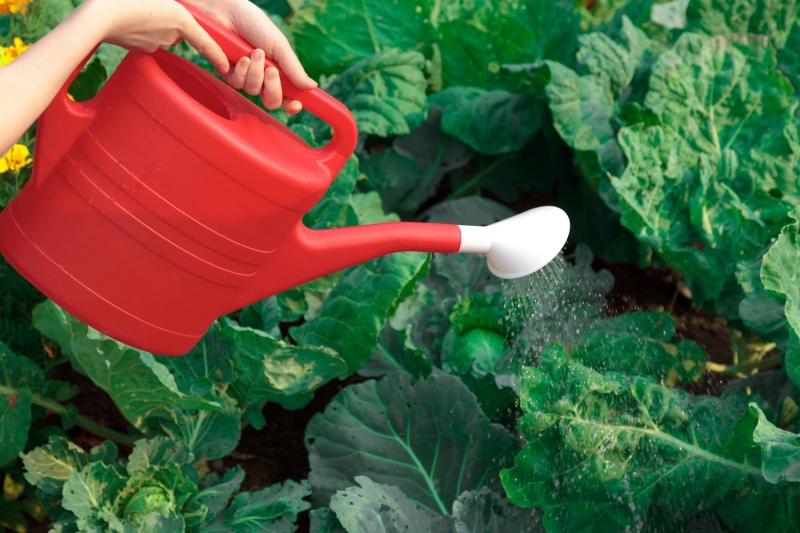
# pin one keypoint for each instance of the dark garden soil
(661, 289)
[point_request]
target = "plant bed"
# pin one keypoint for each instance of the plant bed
(645, 380)
(276, 452)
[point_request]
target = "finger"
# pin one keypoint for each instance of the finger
(272, 95)
(195, 35)
(283, 54)
(292, 107)
(255, 75)
(238, 75)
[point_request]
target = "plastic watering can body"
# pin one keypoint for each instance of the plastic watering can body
(170, 199)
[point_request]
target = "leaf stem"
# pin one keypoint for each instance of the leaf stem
(80, 421)
(744, 368)
(437, 6)
(427, 476)
(682, 446)
(700, 452)
(370, 28)
(475, 179)
(674, 298)
(434, 166)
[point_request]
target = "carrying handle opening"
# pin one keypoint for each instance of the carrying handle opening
(62, 95)
(316, 101)
(59, 125)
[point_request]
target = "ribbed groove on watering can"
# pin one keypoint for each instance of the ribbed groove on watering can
(92, 304)
(132, 218)
(162, 208)
(166, 220)
(193, 167)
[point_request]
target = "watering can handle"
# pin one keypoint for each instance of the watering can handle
(319, 103)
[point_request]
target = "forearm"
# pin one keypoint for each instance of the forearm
(30, 82)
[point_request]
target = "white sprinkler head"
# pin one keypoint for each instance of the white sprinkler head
(520, 245)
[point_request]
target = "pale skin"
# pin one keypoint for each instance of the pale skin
(31, 81)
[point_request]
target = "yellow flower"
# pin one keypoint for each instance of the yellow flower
(10, 53)
(16, 158)
(14, 6)
(11, 489)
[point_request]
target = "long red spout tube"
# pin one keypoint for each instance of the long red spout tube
(307, 254)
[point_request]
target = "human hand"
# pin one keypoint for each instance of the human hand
(249, 73)
(146, 25)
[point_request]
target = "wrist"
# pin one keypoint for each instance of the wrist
(221, 10)
(98, 17)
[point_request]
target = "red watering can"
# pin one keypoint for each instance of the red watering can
(170, 199)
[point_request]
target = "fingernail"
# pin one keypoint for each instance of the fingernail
(272, 73)
(258, 54)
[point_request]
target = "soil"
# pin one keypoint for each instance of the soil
(93, 403)
(661, 289)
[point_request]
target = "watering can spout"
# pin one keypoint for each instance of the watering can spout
(307, 254)
(514, 247)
